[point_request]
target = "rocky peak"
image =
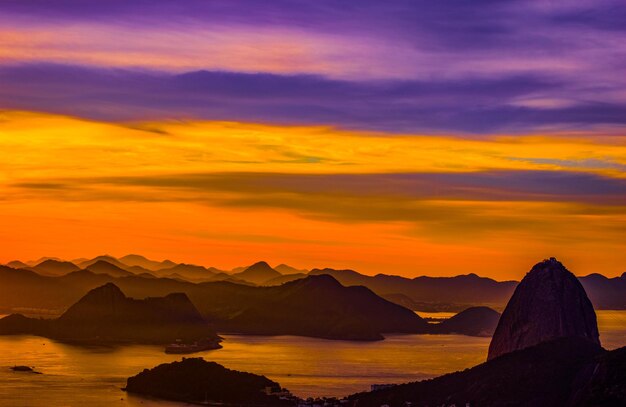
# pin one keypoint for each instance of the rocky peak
(548, 303)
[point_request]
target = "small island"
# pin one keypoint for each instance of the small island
(26, 369)
(194, 380)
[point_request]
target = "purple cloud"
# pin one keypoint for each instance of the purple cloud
(405, 66)
(468, 106)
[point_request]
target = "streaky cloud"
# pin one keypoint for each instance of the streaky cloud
(538, 186)
(455, 105)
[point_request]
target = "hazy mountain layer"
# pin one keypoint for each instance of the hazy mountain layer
(316, 306)
(420, 293)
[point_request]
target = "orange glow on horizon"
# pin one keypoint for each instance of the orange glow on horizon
(76, 188)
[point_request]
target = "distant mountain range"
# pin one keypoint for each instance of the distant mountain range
(332, 310)
(317, 305)
(421, 293)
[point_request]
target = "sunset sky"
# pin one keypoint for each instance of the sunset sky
(399, 137)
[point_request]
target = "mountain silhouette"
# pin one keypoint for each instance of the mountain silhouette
(104, 267)
(106, 315)
(190, 272)
(318, 306)
(287, 269)
(109, 259)
(549, 303)
(41, 260)
(449, 294)
(460, 292)
(55, 267)
(16, 264)
(474, 321)
(145, 263)
(258, 273)
(607, 293)
(430, 293)
(285, 278)
(230, 303)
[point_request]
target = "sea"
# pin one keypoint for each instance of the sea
(94, 376)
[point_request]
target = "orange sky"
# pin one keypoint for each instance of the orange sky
(227, 194)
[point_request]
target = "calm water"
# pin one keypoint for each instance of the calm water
(92, 376)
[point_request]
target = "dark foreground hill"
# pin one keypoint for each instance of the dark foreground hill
(106, 315)
(545, 352)
(568, 372)
(197, 381)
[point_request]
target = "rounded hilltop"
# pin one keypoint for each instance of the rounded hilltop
(548, 303)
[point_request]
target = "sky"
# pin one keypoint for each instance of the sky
(400, 137)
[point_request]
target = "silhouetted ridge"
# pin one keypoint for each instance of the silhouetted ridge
(314, 306)
(474, 321)
(55, 267)
(106, 258)
(258, 273)
(16, 264)
(429, 293)
(448, 294)
(317, 282)
(101, 302)
(141, 261)
(18, 324)
(287, 269)
(105, 267)
(190, 272)
(105, 314)
(548, 303)
(108, 303)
